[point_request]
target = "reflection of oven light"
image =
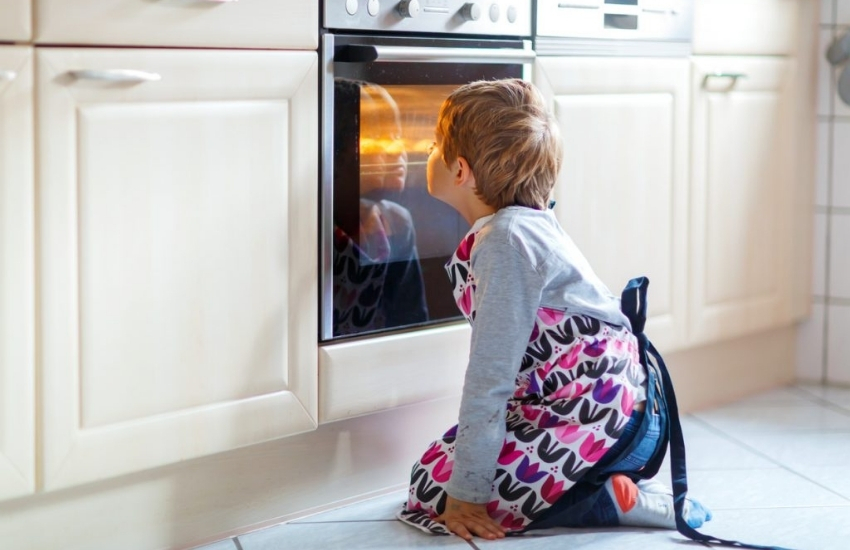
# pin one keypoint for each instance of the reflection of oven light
(376, 146)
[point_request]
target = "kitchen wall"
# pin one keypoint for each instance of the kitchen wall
(823, 351)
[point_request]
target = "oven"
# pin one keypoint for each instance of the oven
(387, 67)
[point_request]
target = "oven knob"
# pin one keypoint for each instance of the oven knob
(408, 8)
(351, 6)
(373, 7)
(512, 14)
(494, 12)
(470, 11)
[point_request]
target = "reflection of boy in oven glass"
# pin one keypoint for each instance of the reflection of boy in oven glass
(560, 424)
(377, 280)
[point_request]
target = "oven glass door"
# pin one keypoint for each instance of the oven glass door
(385, 239)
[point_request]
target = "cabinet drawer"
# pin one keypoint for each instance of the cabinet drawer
(757, 27)
(15, 20)
(290, 24)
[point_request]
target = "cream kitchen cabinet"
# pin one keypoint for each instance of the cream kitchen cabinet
(177, 225)
(15, 20)
(623, 190)
(746, 27)
(289, 24)
(741, 215)
(17, 274)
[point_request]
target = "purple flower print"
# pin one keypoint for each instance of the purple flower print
(528, 472)
(605, 392)
(595, 348)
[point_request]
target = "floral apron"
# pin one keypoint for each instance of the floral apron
(575, 391)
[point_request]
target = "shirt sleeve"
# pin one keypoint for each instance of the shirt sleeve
(506, 299)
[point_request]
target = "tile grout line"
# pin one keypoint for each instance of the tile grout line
(818, 400)
(744, 445)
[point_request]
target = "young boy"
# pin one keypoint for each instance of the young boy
(558, 416)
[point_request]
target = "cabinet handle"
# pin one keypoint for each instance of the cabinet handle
(7, 76)
(576, 6)
(733, 76)
(115, 75)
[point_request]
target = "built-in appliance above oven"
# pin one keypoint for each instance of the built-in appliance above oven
(387, 67)
(646, 28)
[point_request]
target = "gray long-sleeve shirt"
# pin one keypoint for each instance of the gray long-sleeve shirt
(522, 260)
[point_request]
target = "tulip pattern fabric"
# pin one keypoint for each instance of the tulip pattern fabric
(575, 391)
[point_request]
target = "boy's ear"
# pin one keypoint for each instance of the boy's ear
(464, 175)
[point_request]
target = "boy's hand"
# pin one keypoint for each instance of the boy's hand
(466, 519)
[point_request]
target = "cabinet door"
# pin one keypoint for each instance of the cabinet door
(622, 193)
(740, 209)
(17, 275)
(178, 254)
(15, 20)
(290, 24)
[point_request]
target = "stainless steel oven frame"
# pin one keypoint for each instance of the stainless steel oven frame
(401, 49)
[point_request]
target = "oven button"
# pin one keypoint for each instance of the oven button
(470, 12)
(494, 12)
(408, 8)
(351, 6)
(512, 14)
(373, 7)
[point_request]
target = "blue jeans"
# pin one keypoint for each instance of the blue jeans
(645, 449)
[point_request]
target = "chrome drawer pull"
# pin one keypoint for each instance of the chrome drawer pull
(661, 11)
(733, 76)
(8, 76)
(115, 75)
(567, 5)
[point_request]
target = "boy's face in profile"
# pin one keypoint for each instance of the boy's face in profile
(439, 175)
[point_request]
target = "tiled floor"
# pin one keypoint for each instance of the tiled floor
(772, 468)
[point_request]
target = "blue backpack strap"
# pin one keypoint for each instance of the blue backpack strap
(633, 304)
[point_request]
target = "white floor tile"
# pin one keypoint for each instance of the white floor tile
(365, 535)
(806, 449)
(838, 344)
(741, 421)
(799, 528)
(833, 394)
(715, 453)
(833, 477)
(771, 488)
(774, 398)
(376, 509)
(226, 544)
(618, 538)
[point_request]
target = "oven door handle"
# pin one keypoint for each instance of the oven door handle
(402, 54)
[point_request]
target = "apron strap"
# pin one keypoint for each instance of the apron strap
(633, 304)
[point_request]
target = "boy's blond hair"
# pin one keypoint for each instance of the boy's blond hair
(509, 138)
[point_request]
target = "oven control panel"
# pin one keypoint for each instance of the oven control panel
(477, 17)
